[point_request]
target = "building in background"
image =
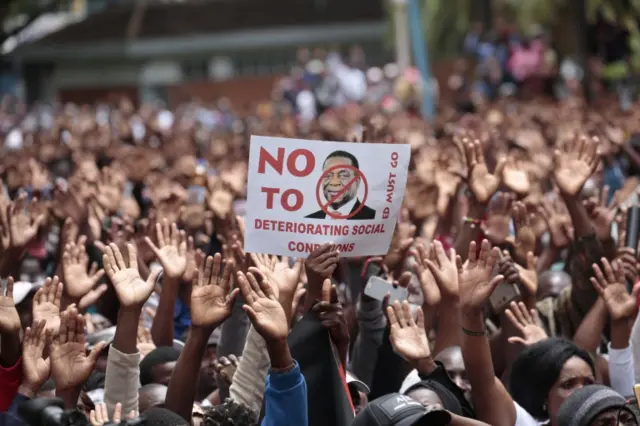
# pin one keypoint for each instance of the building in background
(177, 50)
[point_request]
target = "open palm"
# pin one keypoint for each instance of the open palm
(46, 304)
(262, 306)
(408, 337)
(36, 369)
(9, 318)
(211, 299)
(171, 250)
(609, 283)
(74, 269)
(474, 276)
(575, 164)
(483, 184)
(130, 288)
(70, 364)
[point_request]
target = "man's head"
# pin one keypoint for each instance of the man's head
(158, 365)
(551, 283)
(451, 358)
(230, 413)
(151, 395)
(340, 184)
(400, 410)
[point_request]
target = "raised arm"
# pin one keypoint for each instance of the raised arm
(123, 371)
(211, 304)
(493, 403)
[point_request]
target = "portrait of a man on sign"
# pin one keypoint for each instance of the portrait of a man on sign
(340, 182)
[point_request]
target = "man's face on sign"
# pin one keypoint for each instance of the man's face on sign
(335, 182)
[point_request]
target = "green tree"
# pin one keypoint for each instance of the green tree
(446, 22)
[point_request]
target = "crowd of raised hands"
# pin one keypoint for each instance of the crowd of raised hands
(128, 299)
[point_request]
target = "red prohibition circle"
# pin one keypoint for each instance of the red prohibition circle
(325, 207)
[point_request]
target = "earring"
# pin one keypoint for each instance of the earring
(544, 407)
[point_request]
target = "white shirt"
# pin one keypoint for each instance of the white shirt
(344, 210)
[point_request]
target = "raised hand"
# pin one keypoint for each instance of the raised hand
(529, 275)
(262, 306)
(329, 311)
(211, 298)
(574, 164)
(430, 292)
(402, 239)
(527, 324)
(24, 221)
(609, 283)
(602, 214)
(46, 304)
(226, 367)
(482, 183)
(9, 318)
(171, 250)
(408, 337)
(108, 193)
(557, 217)
(35, 367)
(443, 267)
(132, 291)
(70, 365)
(74, 269)
(321, 264)
(525, 238)
(515, 177)
(498, 218)
(474, 277)
(100, 415)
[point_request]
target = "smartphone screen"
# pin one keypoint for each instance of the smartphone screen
(377, 288)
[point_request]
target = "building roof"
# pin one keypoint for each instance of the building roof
(200, 17)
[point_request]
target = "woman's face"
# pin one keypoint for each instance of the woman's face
(575, 374)
(615, 417)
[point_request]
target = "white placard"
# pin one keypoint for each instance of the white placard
(303, 193)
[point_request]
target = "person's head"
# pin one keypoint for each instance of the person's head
(230, 413)
(151, 395)
(431, 393)
(451, 359)
(158, 365)
(157, 416)
(400, 410)
(595, 405)
(546, 373)
(551, 283)
(336, 179)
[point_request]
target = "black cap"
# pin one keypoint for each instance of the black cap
(395, 409)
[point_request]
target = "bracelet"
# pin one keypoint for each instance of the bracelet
(473, 222)
(284, 370)
(474, 333)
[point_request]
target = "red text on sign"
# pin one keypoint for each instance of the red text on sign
(291, 199)
(301, 247)
(277, 163)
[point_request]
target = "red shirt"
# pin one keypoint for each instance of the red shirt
(10, 379)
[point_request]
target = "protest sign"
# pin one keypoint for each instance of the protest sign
(305, 193)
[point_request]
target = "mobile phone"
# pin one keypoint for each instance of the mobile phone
(633, 229)
(377, 288)
(504, 294)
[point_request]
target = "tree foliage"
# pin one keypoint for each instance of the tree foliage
(446, 22)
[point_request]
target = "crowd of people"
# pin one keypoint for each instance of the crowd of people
(127, 295)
